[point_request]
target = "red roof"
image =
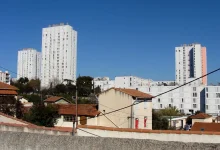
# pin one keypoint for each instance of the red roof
(4, 86)
(83, 109)
(53, 99)
(8, 92)
(132, 92)
(206, 126)
(200, 116)
(6, 89)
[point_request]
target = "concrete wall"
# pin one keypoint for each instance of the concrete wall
(184, 136)
(28, 141)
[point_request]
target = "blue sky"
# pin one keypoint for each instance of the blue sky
(126, 37)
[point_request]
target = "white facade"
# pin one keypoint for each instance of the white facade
(28, 64)
(104, 83)
(5, 77)
(212, 104)
(187, 99)
(59, 54)
(190, 63)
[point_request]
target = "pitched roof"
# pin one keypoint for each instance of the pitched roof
(135, 93)
(54, 99)
(206, 126)
(200, 116)
(4, 86)
(8, 92)
(83, 109)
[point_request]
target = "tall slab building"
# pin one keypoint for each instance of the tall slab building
(59, 54)
(29, 63)
(191, 63)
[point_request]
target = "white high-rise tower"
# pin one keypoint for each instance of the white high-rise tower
(29, 63)
(191, 63)
(59, 54)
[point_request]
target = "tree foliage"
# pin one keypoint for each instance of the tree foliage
(170, 111)
(42, 115)
(8, 105)
(158, 121)
(84, 85)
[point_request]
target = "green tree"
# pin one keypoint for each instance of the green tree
(35, 85)
(84, 85)
(42, 115)
(19, 110)
(170, 111)
(60, 88)
(97, 90)
(158, 121)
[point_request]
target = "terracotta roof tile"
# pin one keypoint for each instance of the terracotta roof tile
(8, 92)
(132, 92)
(83, 109)
(53, 99)
(206, 126)
(200, 116)
(4, 86)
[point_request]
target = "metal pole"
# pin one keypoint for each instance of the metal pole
(76, 109)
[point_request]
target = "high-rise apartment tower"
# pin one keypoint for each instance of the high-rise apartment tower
(59, 54)
(191, 63)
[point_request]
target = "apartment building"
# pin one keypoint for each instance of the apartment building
(104, 83)
(212, 100)
(5, 77)
(190, 63)
(59, 54)
(29, 63)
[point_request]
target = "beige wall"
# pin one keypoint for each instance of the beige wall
(178, 122)
(112, 100)
(202, 120)
(62, 101)
(187, 137)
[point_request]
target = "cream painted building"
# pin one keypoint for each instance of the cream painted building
(201, 117)
(138, 116)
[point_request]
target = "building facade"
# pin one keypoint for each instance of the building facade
(135, 117)
(190, 63)
(104, 83)
(29, 63)
(212, 103)
(5, 77)
(59, 54)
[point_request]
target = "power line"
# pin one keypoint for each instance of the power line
(88, 132)
(110, 120)
(160, 93)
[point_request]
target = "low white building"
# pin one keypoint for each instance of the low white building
(187, 99)
(104, 83)
(5, 77)
(212, 100)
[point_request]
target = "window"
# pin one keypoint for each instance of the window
(181, 105)
(68, 118)
(194, 105)
(194, 94)
(158, 100)
(161, 106)
(217, 95)
(182, 100)
(207, 95)
(207, 89)
(207, 107)
(171, 100)
(170, 105)
(194, 88)
(194, 100)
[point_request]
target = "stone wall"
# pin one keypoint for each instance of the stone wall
(31, 141)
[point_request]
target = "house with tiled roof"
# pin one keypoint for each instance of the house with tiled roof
(201, 117)
(138, 116)
(56, 100)
(86, 114)
(206, 126)
(7, 90)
